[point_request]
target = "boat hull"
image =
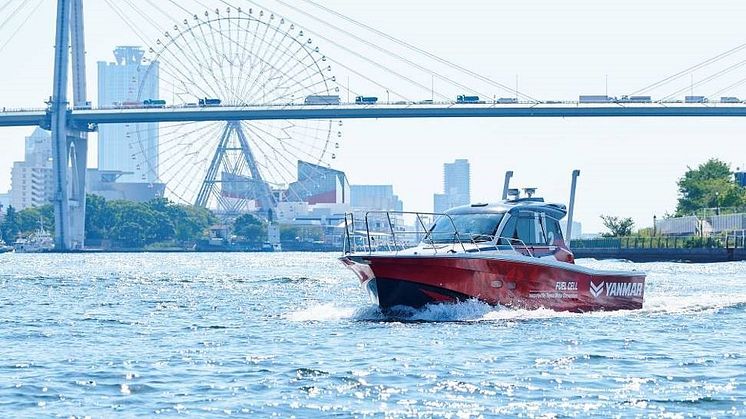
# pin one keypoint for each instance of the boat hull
(513, 281)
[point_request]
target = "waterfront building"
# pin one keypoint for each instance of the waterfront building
(105, 183)
(31, 180)
(375, 197)
(456, 186)
(319, 185)
(128, 148)
(287, 212)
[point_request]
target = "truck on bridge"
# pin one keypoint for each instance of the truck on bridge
(635, 99)
(366, 100)
(154, 103)
(596, 99)
(128, 105)
(322, 100)
(468, 99)
(209, 102)
(695, 99)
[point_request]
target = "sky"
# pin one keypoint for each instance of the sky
(553, 49)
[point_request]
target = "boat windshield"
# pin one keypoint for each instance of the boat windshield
(470, 227)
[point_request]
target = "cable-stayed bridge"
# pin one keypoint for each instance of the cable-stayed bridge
(233, 103)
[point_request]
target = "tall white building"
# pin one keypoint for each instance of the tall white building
(456, 186)
(129, 148)
(31, 182)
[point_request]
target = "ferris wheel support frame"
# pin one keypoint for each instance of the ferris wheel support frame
(266, 199)
(210, 183)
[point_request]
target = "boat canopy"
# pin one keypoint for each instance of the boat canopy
(529, 221)
(557, 211)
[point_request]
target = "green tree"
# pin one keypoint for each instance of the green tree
(618, 227)
(9, 227)
(131, 234)
(99, 218)
(30, 219)
(250, 228)
(711, 185)
(151, 225)
(188, 222)
(300, 233)
(193, 222)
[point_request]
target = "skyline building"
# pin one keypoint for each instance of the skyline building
(456, 186)
(319, 185)
(128, 148)
(375, 197)
(106, 184)
(31, 180)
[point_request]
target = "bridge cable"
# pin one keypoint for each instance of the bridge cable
(18, 29)
(13, 13)
(337, 62)
(359, 55)
(5, 5)
(706, 79)
(727, 88)
(424, 52)
(691, 69)
(379, 48)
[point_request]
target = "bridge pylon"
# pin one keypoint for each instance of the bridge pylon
(69, 143)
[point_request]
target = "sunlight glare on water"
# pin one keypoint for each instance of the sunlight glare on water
(293, 334)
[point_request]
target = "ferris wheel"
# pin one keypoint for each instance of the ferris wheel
(234, 57)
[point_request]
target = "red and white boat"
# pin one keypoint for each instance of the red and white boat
(511, 253)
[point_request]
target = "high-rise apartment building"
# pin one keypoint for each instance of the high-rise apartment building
(128, 148)
(31, 180)
(456, 186)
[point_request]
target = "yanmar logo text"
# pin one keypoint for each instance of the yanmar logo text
(616, 289)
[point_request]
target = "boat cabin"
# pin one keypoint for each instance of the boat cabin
(527, 222)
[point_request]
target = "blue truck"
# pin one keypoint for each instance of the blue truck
(154, 103)
(209, 102)
(467, 99)
(366, 100)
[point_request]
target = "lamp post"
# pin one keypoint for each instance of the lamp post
(654, 229)
(717, 203)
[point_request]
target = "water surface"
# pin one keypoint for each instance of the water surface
(293, 334)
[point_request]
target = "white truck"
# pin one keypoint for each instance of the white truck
(695, 99)
(322, 100)
(596, 99)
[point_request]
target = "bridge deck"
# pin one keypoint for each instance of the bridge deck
(296, 112)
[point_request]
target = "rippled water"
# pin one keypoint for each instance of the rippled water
(293, 334)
